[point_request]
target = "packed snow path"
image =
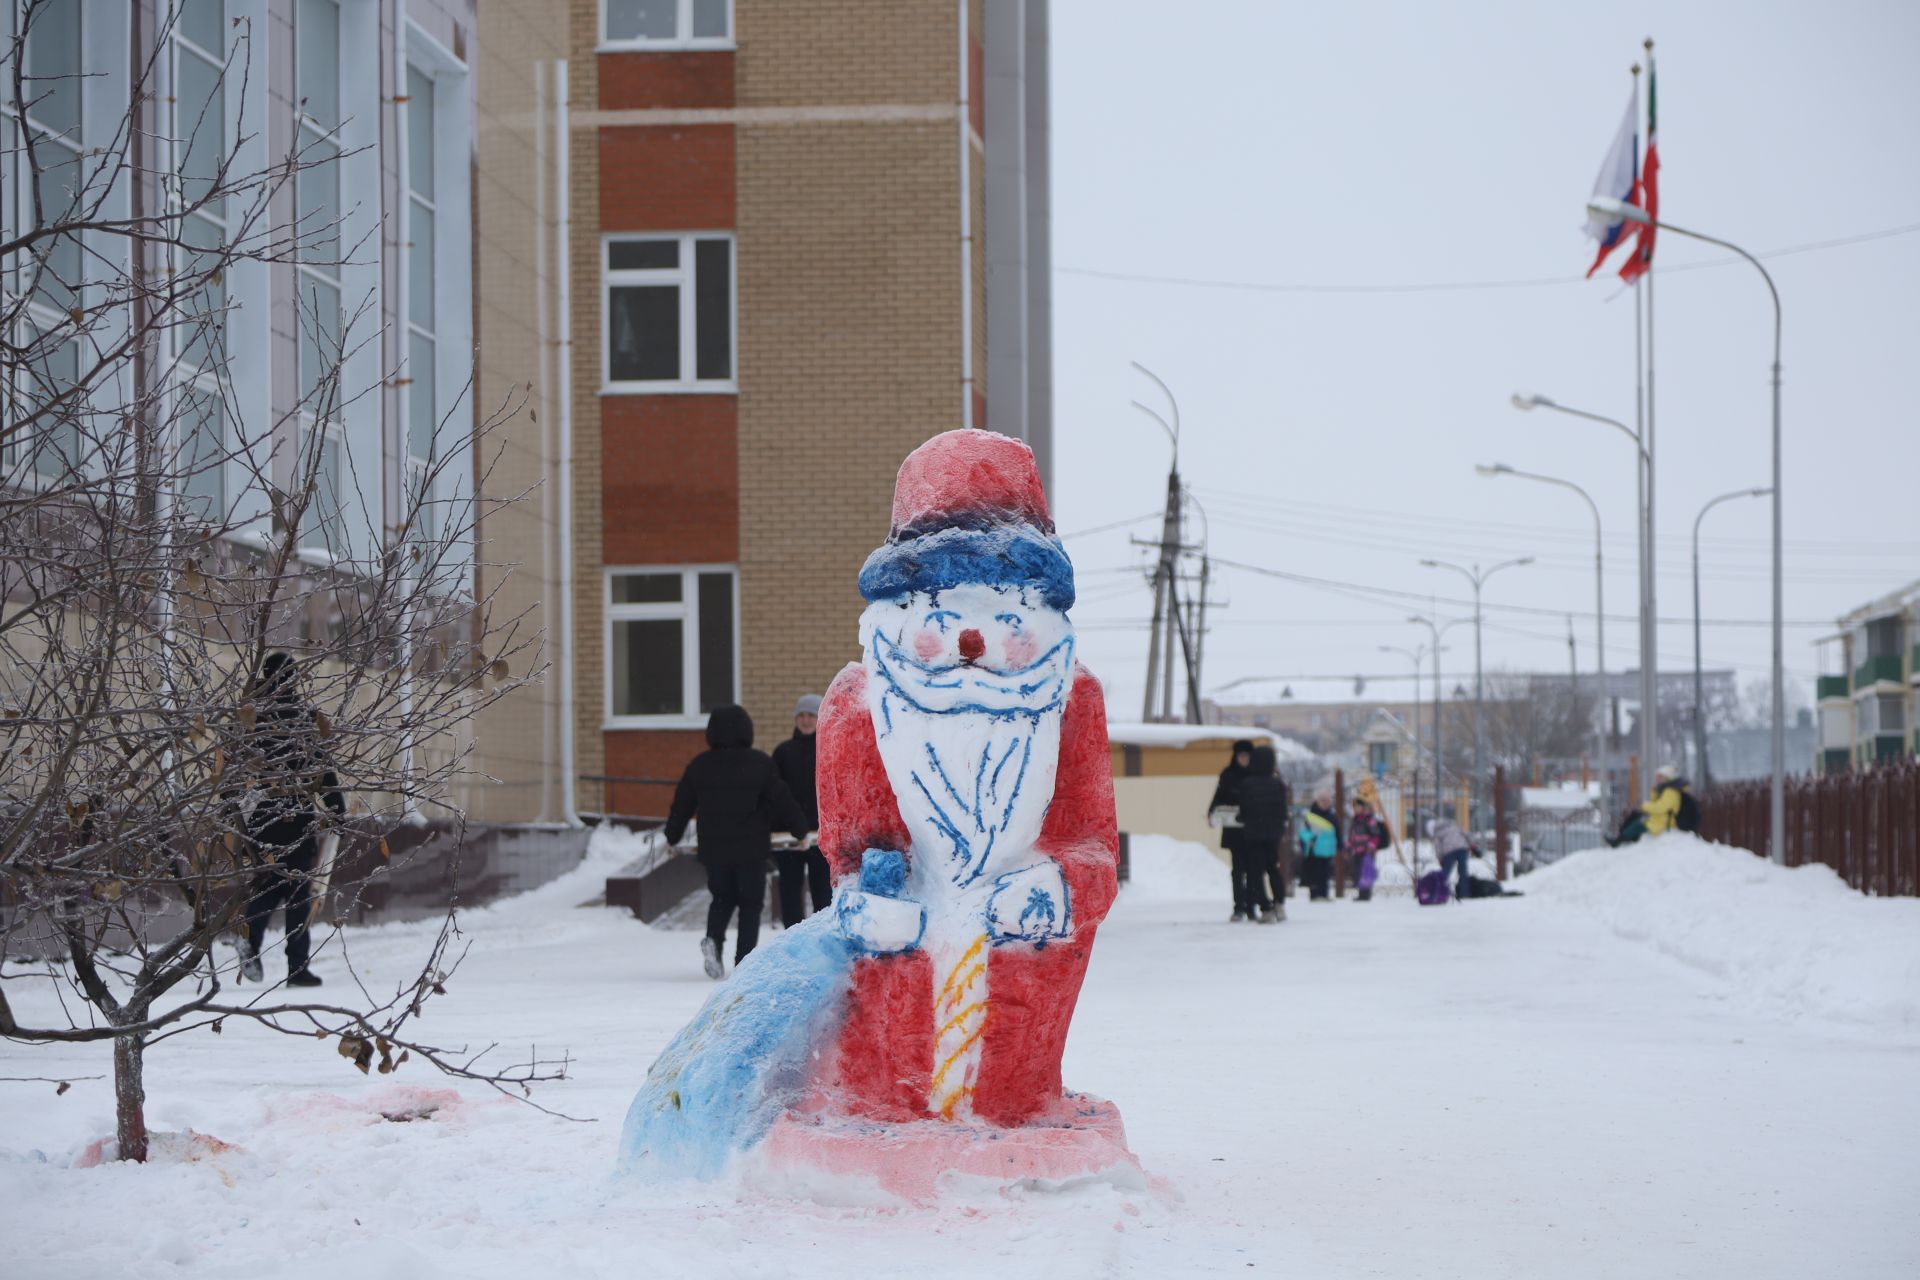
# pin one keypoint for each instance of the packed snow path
(1559, 1085)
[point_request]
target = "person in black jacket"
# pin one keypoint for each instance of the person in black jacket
(289, 773)
(739, 798)
(1265, 810)
(802, 870)
(1223, 797)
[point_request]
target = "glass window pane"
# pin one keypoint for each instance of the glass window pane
(642, 19)
(646, 667)
(319, 461)
(201, 337)
(202, 456)
(204, 22)
(53, 62)
(57, 441)
(646, 588)
(419, 133)
(199, 127)
(643, 333)
(317, 74)
(423, 517)
(716, 640)
(317, 194)
(710, 17)
(422, 420)
(420, 274)
(643, 255)
(319, 323)
(58, 282)
(713, 309)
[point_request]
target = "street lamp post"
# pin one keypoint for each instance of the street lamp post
(1163, 602)
(1699, 708)
(1478, 579)
(1649, 630)
(1416, 655)
(1437, 630)
(1599, 602)
(1777, 800)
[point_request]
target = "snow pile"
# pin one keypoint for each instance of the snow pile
(1162, 869)
(1794, 941)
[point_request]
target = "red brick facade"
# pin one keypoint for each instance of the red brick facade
(686, 511)
(640, 81)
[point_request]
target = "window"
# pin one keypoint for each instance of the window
(423, 416)
(196, 135)
(317, 204)
(668, 303)
(673, 24)
(671, 647)
(53, 84)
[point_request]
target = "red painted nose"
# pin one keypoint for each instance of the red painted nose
(972, 645)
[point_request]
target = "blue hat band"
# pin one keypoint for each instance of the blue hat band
(1003, 556)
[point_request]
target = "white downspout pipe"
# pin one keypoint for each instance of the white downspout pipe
(563, 169)
(966, 223)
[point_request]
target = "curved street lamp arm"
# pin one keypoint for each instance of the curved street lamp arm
(1734, 248)
(1167, 391)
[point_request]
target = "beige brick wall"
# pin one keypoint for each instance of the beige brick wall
(850, 337)
(516, 325)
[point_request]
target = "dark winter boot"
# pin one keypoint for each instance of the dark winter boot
(303, 978)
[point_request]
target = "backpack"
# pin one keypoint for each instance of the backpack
(1688, 819)
(1431, 889)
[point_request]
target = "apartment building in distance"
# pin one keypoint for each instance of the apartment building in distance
(1868, 702)
(803, 238)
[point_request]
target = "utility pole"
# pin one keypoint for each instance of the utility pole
(1478, 578)
(1165, 611)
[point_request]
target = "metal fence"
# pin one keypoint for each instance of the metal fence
(1865, 825)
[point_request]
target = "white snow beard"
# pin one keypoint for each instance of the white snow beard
(971, 752)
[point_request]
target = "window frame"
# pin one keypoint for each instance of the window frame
(682, 39)
(687, 610)
(682, 278)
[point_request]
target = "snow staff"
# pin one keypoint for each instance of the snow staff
(739, 798)
(803, 871)
(291, 788)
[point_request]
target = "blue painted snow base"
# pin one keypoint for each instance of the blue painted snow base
(730, 1073)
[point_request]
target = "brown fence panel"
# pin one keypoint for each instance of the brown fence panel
(1864, 825)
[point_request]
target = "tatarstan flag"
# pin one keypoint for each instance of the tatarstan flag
(1646, 192)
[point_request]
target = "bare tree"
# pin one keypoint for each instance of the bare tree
(142, 585)
(1527, 720)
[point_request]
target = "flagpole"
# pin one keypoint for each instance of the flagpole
(1643, 495)
(1652, 693)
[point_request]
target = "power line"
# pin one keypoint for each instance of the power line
(1461, 286)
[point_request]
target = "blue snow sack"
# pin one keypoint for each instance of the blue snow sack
(723, 1081)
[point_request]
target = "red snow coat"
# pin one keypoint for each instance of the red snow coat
(882, 1064)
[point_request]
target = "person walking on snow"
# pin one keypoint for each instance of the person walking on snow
(1264, 805)
(1319, 842)
(736, 793)
(803, 872)
(292, 781)
(1452, 847)
(1224, 797)
(1366, 834)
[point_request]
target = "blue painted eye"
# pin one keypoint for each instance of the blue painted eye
(1011, 619)
(939, 618)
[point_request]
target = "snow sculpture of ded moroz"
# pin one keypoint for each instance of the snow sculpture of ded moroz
(966, 806)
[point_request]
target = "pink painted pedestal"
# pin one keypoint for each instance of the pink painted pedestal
(1084, 1141)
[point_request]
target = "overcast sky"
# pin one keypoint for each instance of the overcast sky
(1334, 434)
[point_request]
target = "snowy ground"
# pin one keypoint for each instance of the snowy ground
(1669, 1061)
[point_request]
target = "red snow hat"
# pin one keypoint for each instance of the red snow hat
(968, 507)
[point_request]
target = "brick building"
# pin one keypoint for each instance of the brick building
(802, 238)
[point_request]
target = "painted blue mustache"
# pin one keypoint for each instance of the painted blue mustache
(906, 673)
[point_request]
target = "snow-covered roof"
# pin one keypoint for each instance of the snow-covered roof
(1186, 735)
(1559, 799)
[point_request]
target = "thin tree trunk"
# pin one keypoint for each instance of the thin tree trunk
(130, 1095)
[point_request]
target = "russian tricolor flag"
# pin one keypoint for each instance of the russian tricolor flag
(1619, 179)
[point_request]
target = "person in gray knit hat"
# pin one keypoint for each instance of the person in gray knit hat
(803, 872)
